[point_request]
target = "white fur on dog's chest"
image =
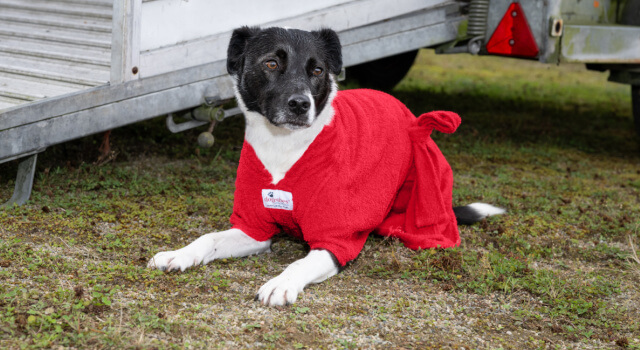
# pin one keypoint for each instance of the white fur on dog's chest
(278, 148)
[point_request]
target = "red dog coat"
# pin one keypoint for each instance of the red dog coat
(373, 168)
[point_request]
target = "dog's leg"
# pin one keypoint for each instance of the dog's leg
(214, 245)
(314, 268)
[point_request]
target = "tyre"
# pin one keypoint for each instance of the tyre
(382, 74)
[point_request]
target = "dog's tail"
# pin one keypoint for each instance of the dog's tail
(475, 212)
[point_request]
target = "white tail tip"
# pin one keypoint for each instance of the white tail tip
(486, 209)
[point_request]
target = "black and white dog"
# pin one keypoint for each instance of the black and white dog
(285, 85)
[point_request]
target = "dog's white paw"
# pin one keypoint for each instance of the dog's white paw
(279, 291)
(316, 267)
(174, 260)
(208, 247)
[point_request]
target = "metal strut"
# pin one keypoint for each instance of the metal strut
(24, 181)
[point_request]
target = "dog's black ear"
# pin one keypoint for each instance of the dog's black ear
(237, 44)
(332, 46)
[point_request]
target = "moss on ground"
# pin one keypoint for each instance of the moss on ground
(554, 145)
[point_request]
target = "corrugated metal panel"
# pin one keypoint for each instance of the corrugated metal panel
(77, 8)
(53, 50)
(56, 34)
(8, 102)
(54, 19)
(52, 47)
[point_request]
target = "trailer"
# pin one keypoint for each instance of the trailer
(72, 68)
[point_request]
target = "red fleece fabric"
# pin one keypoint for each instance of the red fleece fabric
(374, 168)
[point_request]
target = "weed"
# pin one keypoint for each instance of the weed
(633, 259)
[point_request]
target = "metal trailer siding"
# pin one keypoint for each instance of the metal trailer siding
(66, 73)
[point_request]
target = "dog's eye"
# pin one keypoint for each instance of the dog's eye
(271, 64)
(317, 71)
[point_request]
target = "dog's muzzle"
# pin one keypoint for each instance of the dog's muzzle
(299, 104)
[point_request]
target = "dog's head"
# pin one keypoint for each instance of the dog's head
(286, 75)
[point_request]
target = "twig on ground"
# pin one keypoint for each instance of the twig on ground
(65, 243)
(633, 259)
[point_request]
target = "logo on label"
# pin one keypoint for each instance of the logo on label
(276, 199)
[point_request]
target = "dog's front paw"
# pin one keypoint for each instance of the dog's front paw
(279, 291)
(174, 260)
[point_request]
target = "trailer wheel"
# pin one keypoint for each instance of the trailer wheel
(635, 102)
(382, 74)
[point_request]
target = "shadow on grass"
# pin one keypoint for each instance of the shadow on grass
(136, 141)
(487, 118)
(593, 129)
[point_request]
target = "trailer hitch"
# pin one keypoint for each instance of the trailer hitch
(213, 111)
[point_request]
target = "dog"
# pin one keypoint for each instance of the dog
(314, 167)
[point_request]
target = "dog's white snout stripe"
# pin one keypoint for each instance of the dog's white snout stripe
(312, 109)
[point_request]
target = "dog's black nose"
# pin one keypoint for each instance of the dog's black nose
(299, 104)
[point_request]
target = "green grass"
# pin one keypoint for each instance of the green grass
(553, 144)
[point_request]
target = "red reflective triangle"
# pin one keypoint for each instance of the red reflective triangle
(513, 36)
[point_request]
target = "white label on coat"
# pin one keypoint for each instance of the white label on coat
(276, 199)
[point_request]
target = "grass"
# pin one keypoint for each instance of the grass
(552, 144)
